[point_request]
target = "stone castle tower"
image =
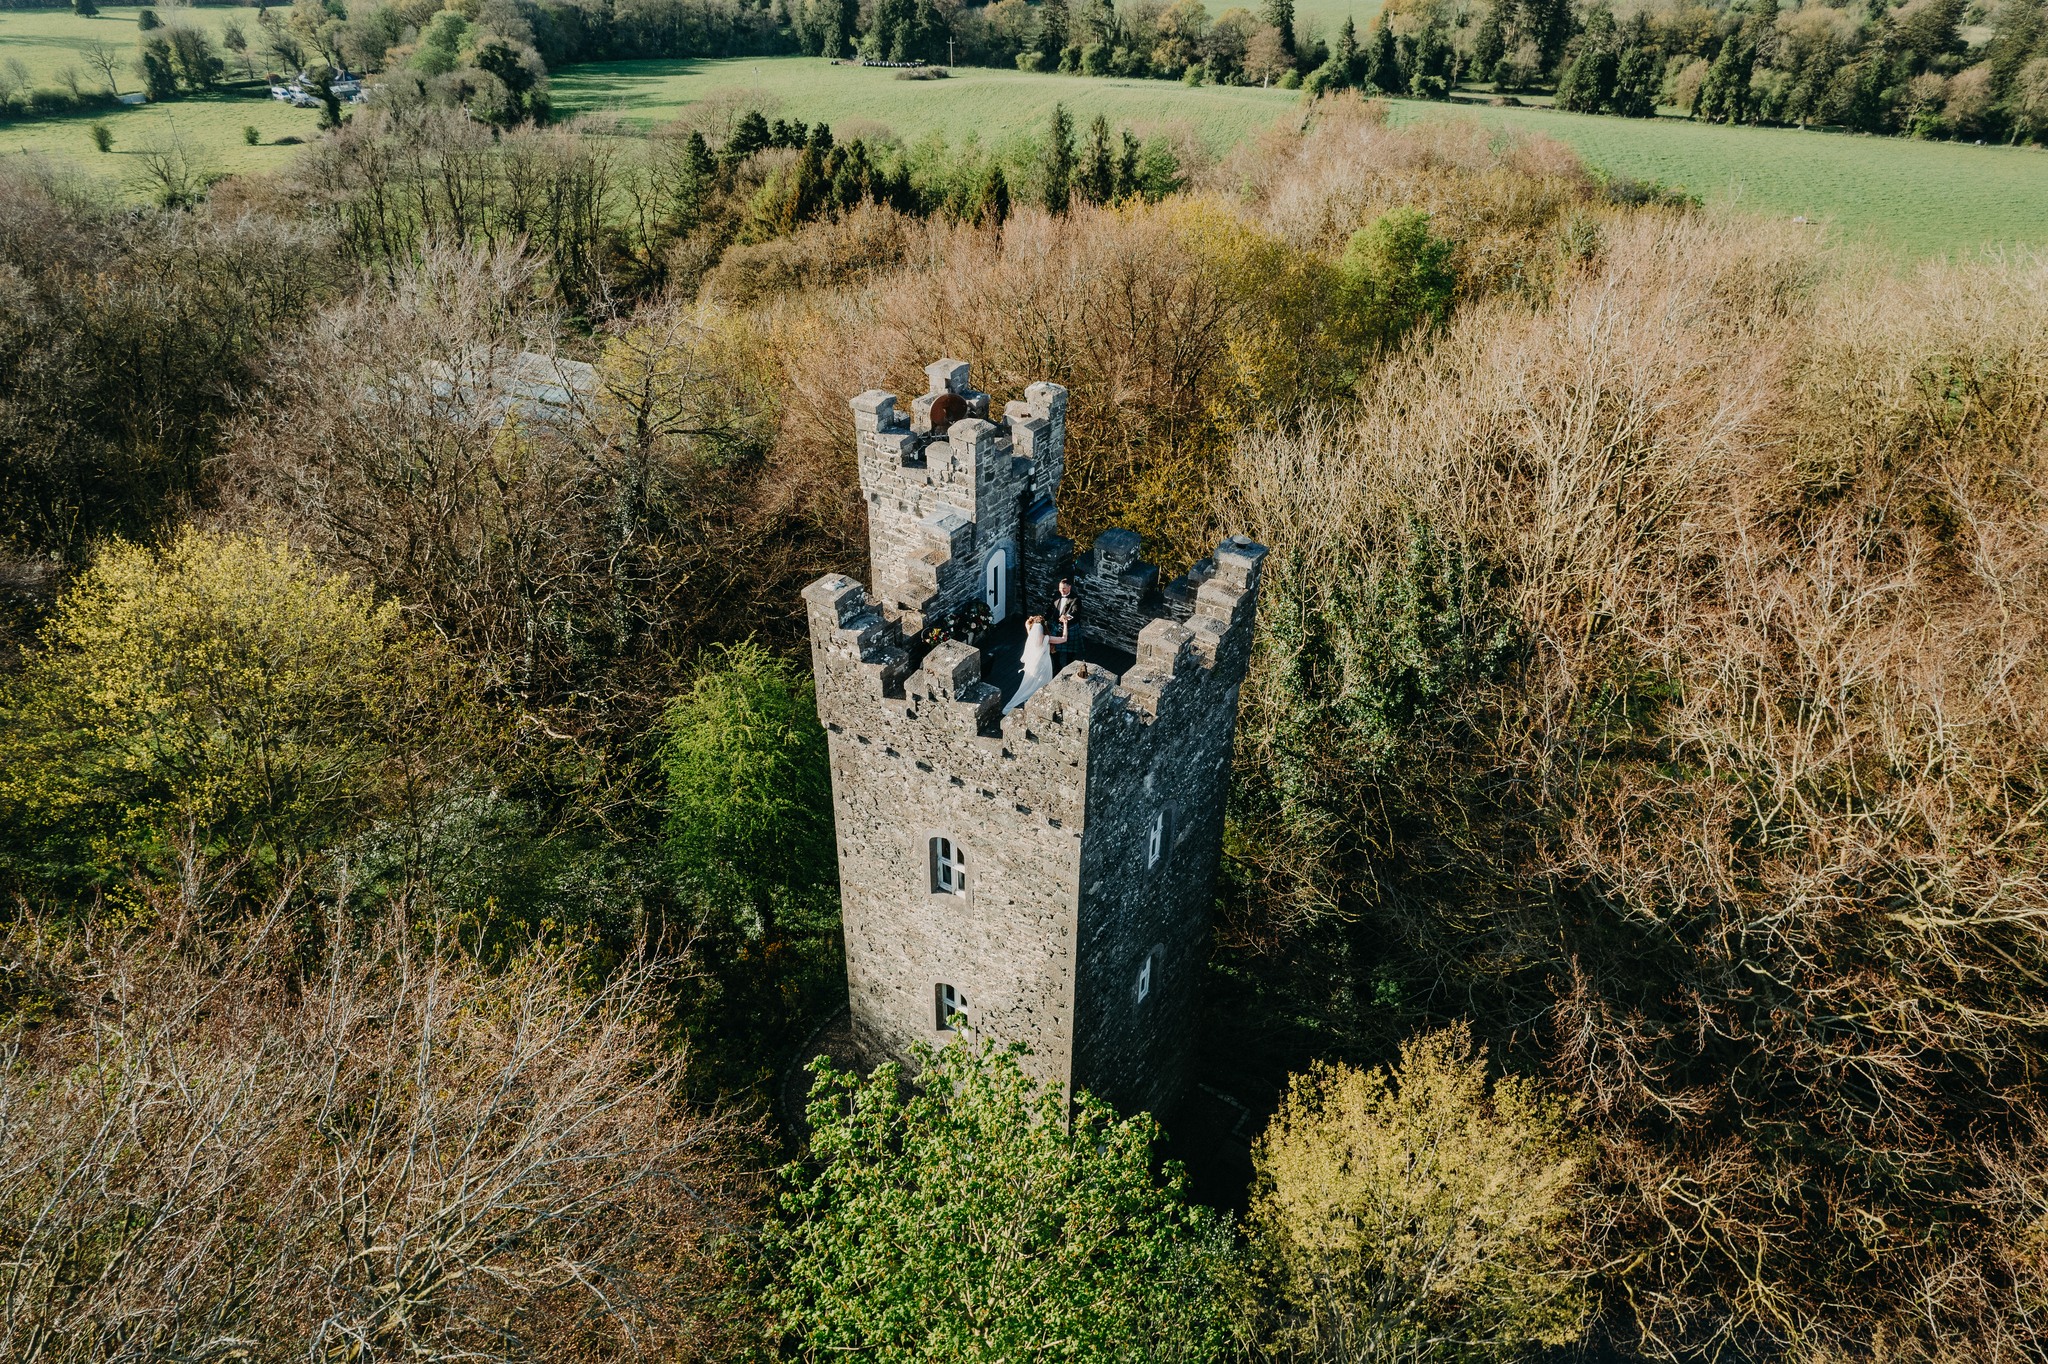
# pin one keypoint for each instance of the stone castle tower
(1047, 874)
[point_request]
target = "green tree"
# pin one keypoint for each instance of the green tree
(440, 44)
(1280, 14)
(1058, 160)
(1422, 1215)
(85, 9)
(1434, 64)
(1395, 275)
(1383, 61)
(1349, 56)
(978, 1221)
(1489, 45)
(1725, 94)
(159, 73)
(222, 699)
(102, 137)
(749, 788)
(991, 206)
(518, 68)
(1054, 26)
(1129, 156)
(1096, 179)
(192, 54)
(1586, 85)
(147, 20)
(751, 134)
(1638, 75)
(1159, 170)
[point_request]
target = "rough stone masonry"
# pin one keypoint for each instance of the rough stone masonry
(1043, 877)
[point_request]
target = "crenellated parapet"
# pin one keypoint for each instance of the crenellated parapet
(863, 658)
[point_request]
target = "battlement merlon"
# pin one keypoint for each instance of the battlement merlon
(1206, 653)
(1225, 603)
(857, 654)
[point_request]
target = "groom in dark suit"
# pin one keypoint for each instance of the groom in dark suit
(1066, 625)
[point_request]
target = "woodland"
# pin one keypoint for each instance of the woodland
(416, 872)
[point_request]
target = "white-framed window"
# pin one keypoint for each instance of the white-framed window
(996, 586)
(948, 863)
(1159, 837)
(950, 1006)
(1148, 976)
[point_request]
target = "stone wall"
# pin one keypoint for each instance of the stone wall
(907, 766)
(1162, 753)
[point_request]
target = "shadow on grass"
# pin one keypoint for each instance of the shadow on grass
(584, 82)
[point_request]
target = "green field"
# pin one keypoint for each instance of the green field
(209, 126)
(45, 41)
(1918, 198)
(997, 107)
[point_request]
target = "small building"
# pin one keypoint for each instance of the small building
(1045, 876)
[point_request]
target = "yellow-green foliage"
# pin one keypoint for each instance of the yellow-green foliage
(221, 697)
(1422, 1215)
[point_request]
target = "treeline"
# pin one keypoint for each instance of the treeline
(1911, 70)
(1937, 68)
(615, 217)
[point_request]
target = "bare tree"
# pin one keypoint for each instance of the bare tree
(174, 172)
(204, 1155)
(104, 59)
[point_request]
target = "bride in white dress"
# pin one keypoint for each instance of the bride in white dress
(1037, 662)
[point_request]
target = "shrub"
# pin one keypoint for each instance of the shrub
(1422, 1214)
(102, 137)
(749, 788)
(395, 1155)
(222, 700)
(980, 1220)
(1395, 275)
(251, 134)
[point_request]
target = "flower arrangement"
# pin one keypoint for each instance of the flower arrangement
(968, 623)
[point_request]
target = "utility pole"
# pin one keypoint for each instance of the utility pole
(949, 54)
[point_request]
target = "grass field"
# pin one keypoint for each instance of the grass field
(45, 41)
(209, 126)
(997, 107)
(1918, 198)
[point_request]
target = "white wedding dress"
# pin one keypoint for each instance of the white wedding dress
(1037, 667)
